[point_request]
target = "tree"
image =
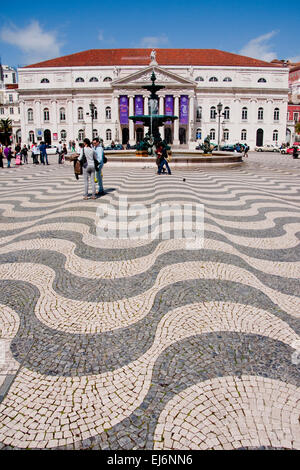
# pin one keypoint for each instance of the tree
(297, 127)
(6, 130)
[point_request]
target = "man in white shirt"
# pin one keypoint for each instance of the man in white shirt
(100, 154)
(35, 154)
(59, 150)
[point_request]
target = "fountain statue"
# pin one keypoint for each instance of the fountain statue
(206, 147)
(152, 120)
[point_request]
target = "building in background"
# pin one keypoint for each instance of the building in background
(9, 100)
(56, 96)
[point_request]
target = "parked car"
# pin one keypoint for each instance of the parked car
(289, 150)
(51, 149)
(267, 148)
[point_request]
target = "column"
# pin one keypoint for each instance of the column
(192, 120)
(37, 112)
(24, 137)
(162, 111)
(176, 122)
(116, 119)
(131, 123)
(53, 119)
(70, 121)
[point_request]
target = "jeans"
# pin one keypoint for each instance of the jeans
(89, 173)
(8, 163)
(162, 163)
(99, 178)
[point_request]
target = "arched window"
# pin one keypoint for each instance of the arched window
(212, 134)
(79, 79)
(107, 79)
(46, 114)
(108, 112)
(275, 135)
(45, 80)
(226, 134)
(95, 133)
(80, 114)
(81, 135)
(31, 136)
(94, 79)
(260, 114)
(199, 79)
(62, 114)
(262, 80)
(199, 113)
(213, 79)
(30, 115)
(243, 134)
(244, 113)
(276, 114)
(213, 113)
(198, 133)
(226, 112)
(63, 134)
(227, 79)
(108, 134)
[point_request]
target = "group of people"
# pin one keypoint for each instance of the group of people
(20, 155)
(92, 159)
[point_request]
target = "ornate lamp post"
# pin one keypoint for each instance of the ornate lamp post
(219, 108)
(92, 108)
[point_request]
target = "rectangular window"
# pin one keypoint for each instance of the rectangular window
(11, 110)
(1, 110)
(10, 98)
(296, 117)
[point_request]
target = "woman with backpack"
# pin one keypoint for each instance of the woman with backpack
(88, 158)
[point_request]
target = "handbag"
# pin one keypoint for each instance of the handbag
(78, 168)
(104, 159)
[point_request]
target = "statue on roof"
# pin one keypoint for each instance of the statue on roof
(153, 57)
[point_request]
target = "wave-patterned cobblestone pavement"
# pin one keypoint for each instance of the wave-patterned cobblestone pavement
(148, 345)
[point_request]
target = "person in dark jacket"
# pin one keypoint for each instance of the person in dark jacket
(295, 152)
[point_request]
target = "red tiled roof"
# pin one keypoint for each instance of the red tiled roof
(210, 57)
(11, 86)
(295, 67)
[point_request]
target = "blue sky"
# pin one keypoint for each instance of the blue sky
(34, 31)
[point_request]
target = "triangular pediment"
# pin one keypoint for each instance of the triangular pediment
(143, 77)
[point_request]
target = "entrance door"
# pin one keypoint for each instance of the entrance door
(168, 135)
(182, 135)
(139, 134)
(125, 135)
(47, 137)
(259, 137)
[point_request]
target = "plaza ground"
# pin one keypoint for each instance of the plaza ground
(148, 345)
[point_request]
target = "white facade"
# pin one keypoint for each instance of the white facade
(57, 99)
(9, 100)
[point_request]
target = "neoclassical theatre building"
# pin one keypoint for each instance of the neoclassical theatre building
(56, 96)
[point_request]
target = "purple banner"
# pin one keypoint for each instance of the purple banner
(169, 106)
(123, 109)
(139, 107)
(184, 109)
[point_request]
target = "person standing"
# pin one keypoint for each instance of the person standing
(24, 153)
(59, 151)
(100, 157)
(295, 152)
(246, 149)
(8, 155)
(88, 157)
(1, 156)
(35, 154)
(43, 153)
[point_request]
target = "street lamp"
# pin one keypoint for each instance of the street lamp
(92, 108)
(219, 108)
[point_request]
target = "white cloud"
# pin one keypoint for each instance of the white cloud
(154, 41)
(100, 35)
(260, 48)
(36, 44)
(296, 58)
